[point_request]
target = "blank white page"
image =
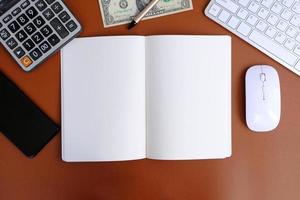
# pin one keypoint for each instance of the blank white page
(188, 97)
(103, 99)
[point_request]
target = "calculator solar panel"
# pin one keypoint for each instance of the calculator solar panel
(32, 30)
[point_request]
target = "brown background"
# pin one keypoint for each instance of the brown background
(263, 166)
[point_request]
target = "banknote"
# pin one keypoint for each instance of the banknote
(116, 12)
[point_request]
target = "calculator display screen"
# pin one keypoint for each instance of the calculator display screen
(6, 5)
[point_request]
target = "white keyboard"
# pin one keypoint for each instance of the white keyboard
(271, 26)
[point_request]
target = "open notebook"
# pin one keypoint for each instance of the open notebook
(157, 97)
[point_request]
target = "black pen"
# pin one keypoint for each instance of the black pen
(140, 16)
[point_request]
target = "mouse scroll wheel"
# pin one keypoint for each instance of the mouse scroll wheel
(263, 77)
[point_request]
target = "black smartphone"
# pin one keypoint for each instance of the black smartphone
(21, 121)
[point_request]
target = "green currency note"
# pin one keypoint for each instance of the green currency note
(117, 12)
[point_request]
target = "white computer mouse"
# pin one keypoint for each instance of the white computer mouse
(263, 99)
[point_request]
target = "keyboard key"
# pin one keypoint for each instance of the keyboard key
(244, 29)
(64, 16)
(282, 25)
(295, 20)
(280, 38)
(48, 14)
(273, 48)
(271, 32)
(37, 38)
(19, 52)
(25, 4)
(21, 35)
(59, 28)
(16, 11)
(12, 43)
(261, 26)
(71, 26)
(30, 28)
(28, 45)
(14, 27)
(31, 12)
(288, 3)
(277, 8)
(22, 19)
(292, 31)
(39, 22)
(41, 5)
(290, 44)
(244, 2)
(253, 7)
(286, 14)
(46, 31)
(50, 1)
(296, 8)
(263, 13)
(252, 20)
(45, 47)
(35, 54)
(7, 18)
(233, 22)
(224, 16)
(267, 3)
(26, 61)
(297, 67)
(229, 5)
(273, 19)
(214, 10)
(53, 39)
(297, 51)
(4, 34)
(242, 13)
(56, 7)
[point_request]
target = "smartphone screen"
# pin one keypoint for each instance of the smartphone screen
(21, 121)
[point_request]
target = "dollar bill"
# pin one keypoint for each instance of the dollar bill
(117, 12)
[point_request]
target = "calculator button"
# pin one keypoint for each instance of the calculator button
(41, 5)
(26, 61)
(53, 39)
(16, 11)
(50, 1)
(14, 26)
(4, 34)
(48, 14)
(12, 43)
(39, 21)
(31, 12)
(46, 30)
(71, 25)
(7, 18)
(25, 4)
(22, 19)
(64, 17)
(19, 52)
(45, 47)
(28, 44)
(59, 28)
(56, 7)
(37, 38)
(21, 36)
(30, 28)
(35, 54)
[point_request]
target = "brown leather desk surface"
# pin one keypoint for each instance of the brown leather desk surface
(263, 166)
